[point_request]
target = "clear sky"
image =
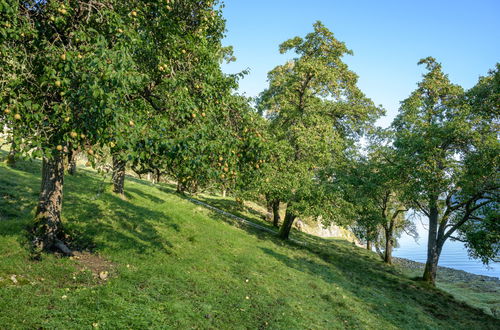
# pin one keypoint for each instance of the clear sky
(387, 37)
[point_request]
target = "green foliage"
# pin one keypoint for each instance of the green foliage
(315, 111)
(448, 152)
(177, 265)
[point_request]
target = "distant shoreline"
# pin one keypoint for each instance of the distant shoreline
(445, 274)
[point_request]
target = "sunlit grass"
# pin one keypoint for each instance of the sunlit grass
(179, 265)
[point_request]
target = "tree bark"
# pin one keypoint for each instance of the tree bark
(276, 212)
(389, 244)
(158, 175)
(180, 187)
(433, 250)
(72, 154)
(11, 157)
(269, 208)
(368, 245)
(223, 192)
(47, 232)
(119, 176)
(284, 232)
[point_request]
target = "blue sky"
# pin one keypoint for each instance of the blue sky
(387, 37)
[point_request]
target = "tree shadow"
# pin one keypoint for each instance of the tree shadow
(370, 280)
(116, 222)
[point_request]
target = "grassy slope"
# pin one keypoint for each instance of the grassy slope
(178, 265)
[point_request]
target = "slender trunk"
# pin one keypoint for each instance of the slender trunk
(47, 231)
(284, 232)
(269, 208)
(149, 176)
(72, 154)
(276, 213)
(433, 249)
(389, 244)
(11, 157)
(118, 175)
(368, 245)
(223, 192)
(158, 175)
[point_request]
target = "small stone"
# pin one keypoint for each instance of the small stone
(64, 297)
(13, 279)
(103, 275)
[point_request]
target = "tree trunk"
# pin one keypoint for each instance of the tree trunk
(223, 192)
(72, 162)
(47, 231)
(11, 157)
(269, 208)
(389, 244)
(180, 187)
(119, 175)
(276, 212)
(284, 232)
(368, 245)
(158, 175)
(433, 249)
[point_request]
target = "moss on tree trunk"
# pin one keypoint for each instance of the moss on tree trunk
(47, 232)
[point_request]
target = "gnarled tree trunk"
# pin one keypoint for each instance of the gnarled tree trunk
(47, 231)
(119, 176)
(284, 232)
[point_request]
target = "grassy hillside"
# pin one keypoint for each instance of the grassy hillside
(174, 264)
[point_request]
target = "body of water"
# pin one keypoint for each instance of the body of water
(454, 254)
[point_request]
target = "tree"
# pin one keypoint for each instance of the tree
(447, 151)
(80, 74)
(374, 189)
(70, 68)
(315, 108)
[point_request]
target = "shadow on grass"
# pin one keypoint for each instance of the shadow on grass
(114, 221)
(92, 216)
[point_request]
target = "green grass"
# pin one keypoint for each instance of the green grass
(178, 265)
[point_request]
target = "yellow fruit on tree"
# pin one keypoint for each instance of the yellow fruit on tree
(67, 119)
(7, 111)
(133, 13)
(221, 158)
(63, 57)
(193, 115)
(73, 134)
(131, 123)
(59, 148)
(82, 136)
(17, 116)
(58, 83)
(90, 152)
(203, 114)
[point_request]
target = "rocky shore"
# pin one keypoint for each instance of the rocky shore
(445, 274)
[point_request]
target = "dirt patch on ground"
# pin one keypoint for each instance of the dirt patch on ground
(101, 268)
